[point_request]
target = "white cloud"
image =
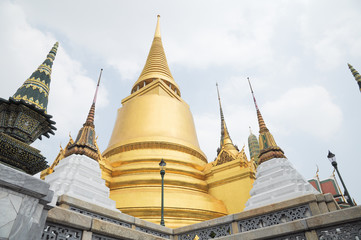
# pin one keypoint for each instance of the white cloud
(238, 38)
(129, 70)
(71, 93)
(307, 109)
(332, 38)
(24, 47)
(208, 131)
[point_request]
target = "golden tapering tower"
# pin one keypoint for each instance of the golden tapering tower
(226, 141)
(230, 176)
(153, 123)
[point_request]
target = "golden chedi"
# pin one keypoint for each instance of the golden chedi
(153, 123)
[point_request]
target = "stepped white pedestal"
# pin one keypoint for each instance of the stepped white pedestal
(80, 177)
(277, 180)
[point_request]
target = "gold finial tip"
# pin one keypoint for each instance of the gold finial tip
(158, 16)
(157, 29)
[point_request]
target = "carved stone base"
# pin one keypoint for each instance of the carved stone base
(21, 156)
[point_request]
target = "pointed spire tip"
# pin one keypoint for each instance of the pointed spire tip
(56, 45)
(157, 29)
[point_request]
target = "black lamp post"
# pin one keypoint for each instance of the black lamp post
(162, 166)
(332, 159)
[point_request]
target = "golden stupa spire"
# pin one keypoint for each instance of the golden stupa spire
(267, 144)
(156, 66)
(226, 140)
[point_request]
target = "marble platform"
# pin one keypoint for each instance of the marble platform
(277, 180)
(23, 200)
(79, 176)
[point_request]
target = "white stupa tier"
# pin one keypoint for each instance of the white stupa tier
(79, 176)
(277, 180)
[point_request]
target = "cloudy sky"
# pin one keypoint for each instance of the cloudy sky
(295, 53)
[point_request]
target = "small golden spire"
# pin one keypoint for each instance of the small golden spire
(226, 140)
(268, 146)
(261, 123)
(85, 141)
(90, 119)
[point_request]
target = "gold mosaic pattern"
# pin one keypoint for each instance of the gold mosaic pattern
(45, 68)
(37, 84)
(30, 100)
(26, 123)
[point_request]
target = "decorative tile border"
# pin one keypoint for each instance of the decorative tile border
(53, 231)
(274, 218)
(343, 231)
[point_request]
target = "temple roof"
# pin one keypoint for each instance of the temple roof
(156, 65)
(356, 75)
(35, 90)
(267, 144)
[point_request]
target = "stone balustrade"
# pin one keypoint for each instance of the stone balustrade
(260, 218)
(24, 209)
(307, 217)
(85, 221)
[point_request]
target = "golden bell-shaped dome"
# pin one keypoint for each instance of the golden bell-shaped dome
(154, 123)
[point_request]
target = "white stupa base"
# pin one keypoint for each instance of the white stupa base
(276, 181)
(80, 177)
